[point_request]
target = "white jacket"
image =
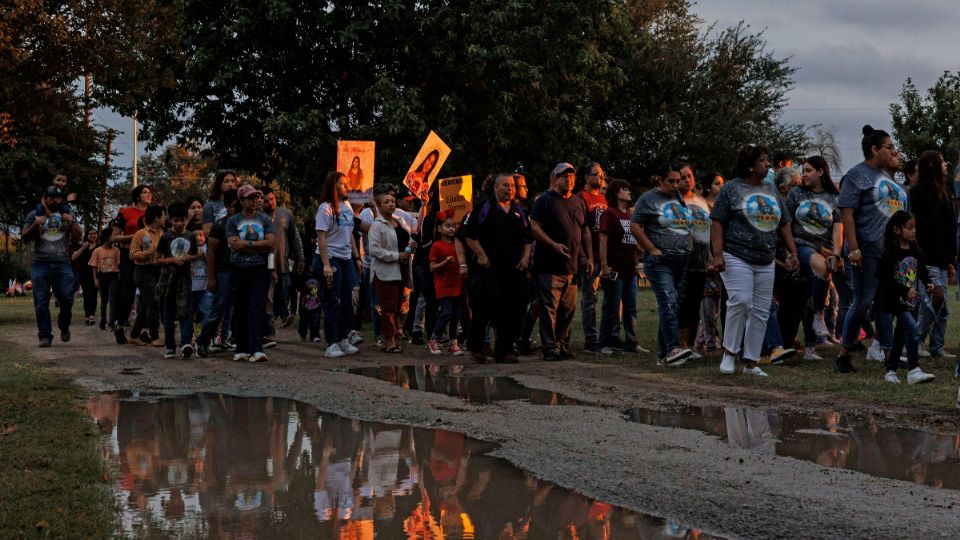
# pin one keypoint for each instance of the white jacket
(384, 251)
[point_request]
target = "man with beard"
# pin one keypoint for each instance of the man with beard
(51, 232)
(596, 203)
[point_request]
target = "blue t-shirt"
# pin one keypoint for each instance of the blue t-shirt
(666, 221)
(874, 197)
(249, 229)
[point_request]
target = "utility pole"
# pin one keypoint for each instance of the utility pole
(135, 157)
(87, 80)
(106, 175)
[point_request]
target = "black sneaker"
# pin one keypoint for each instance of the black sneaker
(478, 357)
(417, 338)
(186, 351)
(65, 335)
(268, 343)
(102, 325)
(119, 336)
(202, 351)
(551, 355)
(45, 342)
(591, 347)
(844, 365)
(567, 354)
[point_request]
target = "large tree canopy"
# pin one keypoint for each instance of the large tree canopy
(270, 85)
(930, 122)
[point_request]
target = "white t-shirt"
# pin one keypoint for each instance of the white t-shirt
(339, 229)
(409, 218)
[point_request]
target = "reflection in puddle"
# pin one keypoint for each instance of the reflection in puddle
(451, 381)
(829, 439)
(220, 466)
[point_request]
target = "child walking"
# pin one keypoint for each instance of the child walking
(901, 274)
(105, 263)
(310, 311)
(448, 284)
(178, 248)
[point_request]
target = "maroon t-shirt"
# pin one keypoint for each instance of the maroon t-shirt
(621, 245)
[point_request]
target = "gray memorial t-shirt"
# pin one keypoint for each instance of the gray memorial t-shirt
(750, 216)
(666, 221)
(252, 229)
(52, 240)
(874, 197)
(212, 211)
(814, 215)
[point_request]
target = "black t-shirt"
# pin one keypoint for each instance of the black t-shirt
(177, 245)
(502, 235)
(221, 257)
(403, 237)
(563, 221)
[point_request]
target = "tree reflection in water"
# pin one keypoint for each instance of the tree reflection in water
(220, 466)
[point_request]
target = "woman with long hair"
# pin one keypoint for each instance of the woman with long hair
(932, 204)
(418, 178)
(214, 209)
(355, 175)
(194, 212)
(818, 233)
(708, 338)
(744, 224)
(335, 262)
(868, 197)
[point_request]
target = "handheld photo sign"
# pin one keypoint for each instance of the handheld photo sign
(355, 159)
(456, 194)
(426, 165)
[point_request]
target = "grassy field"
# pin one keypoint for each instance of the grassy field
(52, 481)
(801, 378)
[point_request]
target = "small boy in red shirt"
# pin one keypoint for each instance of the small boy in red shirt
(448, 284)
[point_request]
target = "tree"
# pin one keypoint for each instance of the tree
(824, 144)
(930, 122)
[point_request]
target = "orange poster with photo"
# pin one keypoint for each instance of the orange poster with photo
(356, 159)
(425, 167)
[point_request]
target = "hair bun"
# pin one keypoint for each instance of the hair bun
(868, 129)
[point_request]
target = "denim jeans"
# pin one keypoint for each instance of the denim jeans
(589, 284)
(452, 310)
(907, 334)
(666, 274)
(170, 322)
(281, 307)
(337, 295)
(249, 287)
(844, 297)
(865, 294)
(56, 275)
(557, 296)
(373, 301)
(216, 307)
(619, 307)
(772, 338)
(934, 324)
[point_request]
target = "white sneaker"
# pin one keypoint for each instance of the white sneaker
(677, 357)
(355, 337)
(876, 353)
(922, 352)
(820, 327)
(606, 351)
(917, 376)
(347, 348)
(694, 355)
(257, 357)
(810, 354)
(755, 370)
(334, 351)
(891, 377)
(317, 340)
(241, 357)
(728, 365)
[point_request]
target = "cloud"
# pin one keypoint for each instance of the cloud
(885, 16)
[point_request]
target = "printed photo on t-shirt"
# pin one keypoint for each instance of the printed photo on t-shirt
(179, 247)
(762, 211)
(699, 223)
(53, 229)
(675, 217)
(889, 196)
(815, 216)
(250, 230)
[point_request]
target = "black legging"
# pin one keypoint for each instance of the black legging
(109, 295)
(89, 292)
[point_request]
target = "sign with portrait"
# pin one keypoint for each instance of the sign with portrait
(356, 159)
(425, 167)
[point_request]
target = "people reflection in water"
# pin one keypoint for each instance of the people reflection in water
(221, 466)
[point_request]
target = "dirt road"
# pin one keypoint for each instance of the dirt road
(684, 475)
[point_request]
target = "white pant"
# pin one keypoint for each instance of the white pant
(750, 292)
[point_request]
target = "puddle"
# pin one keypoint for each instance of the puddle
(451, 381)
(218, 466)
(828, 439)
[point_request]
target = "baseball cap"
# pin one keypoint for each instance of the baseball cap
(246, 191)
(562, 168)
(53, 191)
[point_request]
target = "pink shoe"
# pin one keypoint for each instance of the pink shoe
(434, 347)
(454, 349)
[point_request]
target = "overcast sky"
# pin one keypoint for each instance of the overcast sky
(852, 58)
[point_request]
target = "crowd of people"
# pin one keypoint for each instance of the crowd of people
(737, 267)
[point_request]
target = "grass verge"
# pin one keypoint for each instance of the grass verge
(52, 480)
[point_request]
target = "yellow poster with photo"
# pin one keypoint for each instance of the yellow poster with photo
(456, 194)
(425, 167)
(356, 160)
